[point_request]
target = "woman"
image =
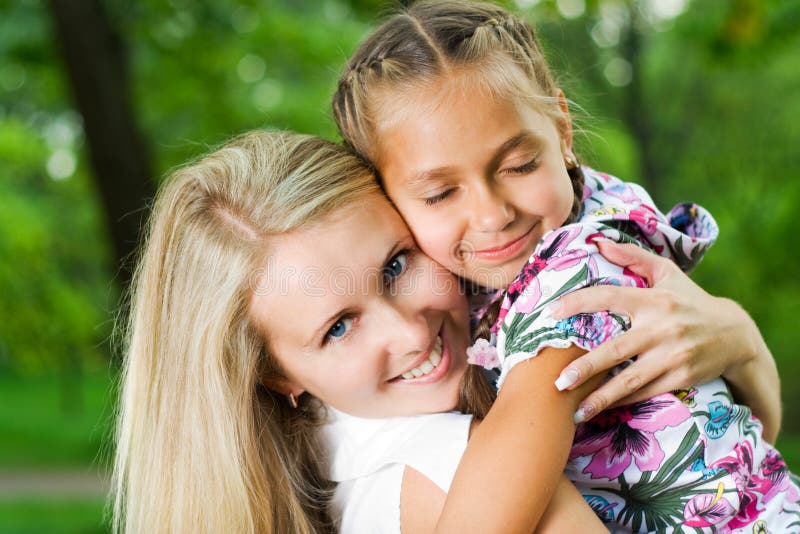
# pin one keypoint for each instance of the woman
(206, 440)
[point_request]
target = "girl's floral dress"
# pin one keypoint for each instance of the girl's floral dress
(689, 461)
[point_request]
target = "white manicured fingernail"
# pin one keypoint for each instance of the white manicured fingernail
(566, 379)
(584, 413)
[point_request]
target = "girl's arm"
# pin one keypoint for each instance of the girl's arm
(569, 512)
(500, 466)
(534, 486)
(682, 335)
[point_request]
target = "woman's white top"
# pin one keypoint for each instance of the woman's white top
(367, 458)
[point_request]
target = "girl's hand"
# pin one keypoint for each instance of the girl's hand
(681, 334)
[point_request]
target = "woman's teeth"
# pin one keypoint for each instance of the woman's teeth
(428, 365)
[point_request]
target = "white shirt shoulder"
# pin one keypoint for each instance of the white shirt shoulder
(367, 459)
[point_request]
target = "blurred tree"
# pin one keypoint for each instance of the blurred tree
(698, 99)
(96, 65)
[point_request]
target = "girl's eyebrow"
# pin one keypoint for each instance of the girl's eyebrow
(525, 137)
(522, 138)
(430, 175)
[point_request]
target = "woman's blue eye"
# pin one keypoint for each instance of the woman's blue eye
(396, 266)
(340, 328)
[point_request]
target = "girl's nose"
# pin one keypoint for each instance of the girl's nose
(490, 211)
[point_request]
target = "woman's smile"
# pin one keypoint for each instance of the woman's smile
(431, 366)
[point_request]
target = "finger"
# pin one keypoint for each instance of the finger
(617, 299)
(663, 384)
(642, 262)
(604, 357)
(619, 390)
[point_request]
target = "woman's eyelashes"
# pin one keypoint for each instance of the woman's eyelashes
(396, 267)
(340, 329)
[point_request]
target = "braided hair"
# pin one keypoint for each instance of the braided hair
(432, 40)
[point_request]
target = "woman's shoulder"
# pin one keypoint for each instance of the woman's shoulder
(358, 447)
(367, 459)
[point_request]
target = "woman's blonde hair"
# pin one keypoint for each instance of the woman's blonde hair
(201, 445)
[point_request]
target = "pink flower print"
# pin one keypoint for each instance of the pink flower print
(605, 177)
(707, 509)
(774, 471)
(554, 256)
(587, 192)
(645, 217)
(617, 437)
(624, 192)
(484, 354)
(751, 488)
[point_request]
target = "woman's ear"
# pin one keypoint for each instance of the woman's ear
(565, 124)
(284, 386)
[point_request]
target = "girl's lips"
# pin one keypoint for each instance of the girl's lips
(438, 372)
(506, 251)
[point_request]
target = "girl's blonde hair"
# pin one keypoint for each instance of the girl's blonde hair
(201, 445)
(479, 44)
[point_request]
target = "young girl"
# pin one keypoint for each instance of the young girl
(455, 106)
(258, 302)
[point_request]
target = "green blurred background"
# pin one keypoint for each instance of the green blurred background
(99, 99)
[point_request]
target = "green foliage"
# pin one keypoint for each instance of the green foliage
(717, 88)
(712, 91)
(59, 517)
(41, 428)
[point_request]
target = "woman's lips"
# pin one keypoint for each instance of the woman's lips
(506, 251)
(438, 372)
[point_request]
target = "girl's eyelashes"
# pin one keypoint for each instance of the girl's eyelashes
(430, 201)
(340, 329)
(525, 168)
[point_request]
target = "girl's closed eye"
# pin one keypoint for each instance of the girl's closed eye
(430, 201)
(525, 168)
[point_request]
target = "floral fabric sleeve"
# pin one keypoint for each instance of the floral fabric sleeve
(567, 259)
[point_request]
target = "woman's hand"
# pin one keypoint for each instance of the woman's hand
(681, 334)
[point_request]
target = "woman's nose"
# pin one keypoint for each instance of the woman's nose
(407, 329)
(491, 212)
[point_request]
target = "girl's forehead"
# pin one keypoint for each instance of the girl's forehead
(494, 79)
